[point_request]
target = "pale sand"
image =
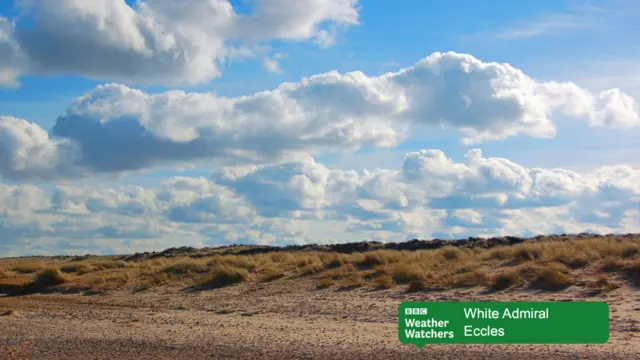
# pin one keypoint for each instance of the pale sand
(284, 319)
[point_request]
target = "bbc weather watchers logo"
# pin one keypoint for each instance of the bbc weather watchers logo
(415, 311)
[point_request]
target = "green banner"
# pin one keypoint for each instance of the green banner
(423, 323)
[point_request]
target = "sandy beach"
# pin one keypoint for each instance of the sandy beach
(283, 319)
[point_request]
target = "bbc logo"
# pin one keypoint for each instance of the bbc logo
(415, 311)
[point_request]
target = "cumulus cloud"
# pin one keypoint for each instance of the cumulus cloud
(429, 195)
(432, 192)
(611, 108)
(155, 41)
(19, 201)
(116, 128)
(27, 151)
(197, 200)
(268, 126)
(432, 195)
(279, 189)
(489, 183)
(305, 20)
(494, 101)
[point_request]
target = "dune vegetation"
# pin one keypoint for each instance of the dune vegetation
(598, 264)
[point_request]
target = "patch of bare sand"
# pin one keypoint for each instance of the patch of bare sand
(283, 319)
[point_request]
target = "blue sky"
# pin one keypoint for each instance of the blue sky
(222, 161)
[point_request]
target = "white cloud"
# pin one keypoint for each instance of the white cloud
(545, 25)
(623, 73)
(578, 17)
(616, 109)
(21, 200)
(306, 20)
(430, 195)
(495, 101)
(115, 128)
(272, 64)
(278, 189)
(611, 107)
(466, 217)
(28, 151)
(266, 126)
(155, 41)
(11, 56)
(197, 200)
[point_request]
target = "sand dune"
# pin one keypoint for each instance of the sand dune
(288, 317)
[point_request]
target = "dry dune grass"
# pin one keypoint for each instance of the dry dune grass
(601, 264)
(45, 279)
(27, 268)
(325, 283)
(384, 282)
(223, 275)
(272, 273)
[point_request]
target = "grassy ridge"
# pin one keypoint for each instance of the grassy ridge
(598, 264)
